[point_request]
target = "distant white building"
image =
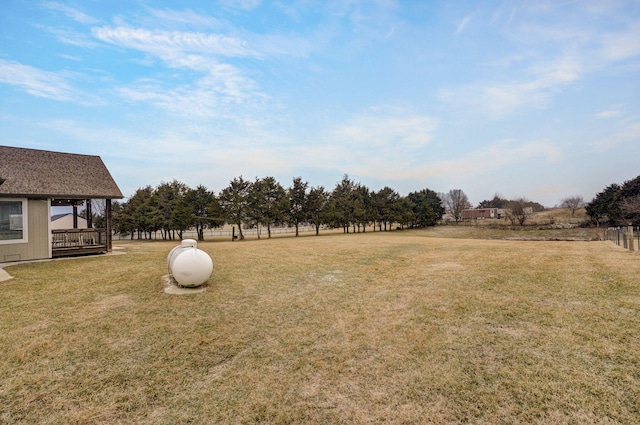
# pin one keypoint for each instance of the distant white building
(481, 213)
(65, 221)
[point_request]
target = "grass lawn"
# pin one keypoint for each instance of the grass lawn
(400, 327)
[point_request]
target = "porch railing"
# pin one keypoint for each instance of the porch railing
(78, 241)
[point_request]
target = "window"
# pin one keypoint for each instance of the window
(13, 220)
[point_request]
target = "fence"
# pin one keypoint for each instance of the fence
(78, 241)
(627, 237)
(213, 233)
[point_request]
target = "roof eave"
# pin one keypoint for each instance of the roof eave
(57, 196)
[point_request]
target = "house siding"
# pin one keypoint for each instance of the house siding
(39, 235)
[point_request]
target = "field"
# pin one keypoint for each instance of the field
(413, 327)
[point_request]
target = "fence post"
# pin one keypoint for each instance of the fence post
(630, 236)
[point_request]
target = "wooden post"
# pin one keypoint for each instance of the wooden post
(89, 215)
(630, 236)
(75, 215)
(107, 213)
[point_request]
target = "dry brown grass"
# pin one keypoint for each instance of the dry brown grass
(517, 233)
(400, 327)
(557, 218)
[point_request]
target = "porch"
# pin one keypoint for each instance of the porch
(66, 242)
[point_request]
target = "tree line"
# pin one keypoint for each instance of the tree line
(172, 208)
(616, 204)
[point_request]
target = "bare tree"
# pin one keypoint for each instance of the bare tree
(518, 211)
(98, 211)
(630, 207)
(456, 201)
(573, 203)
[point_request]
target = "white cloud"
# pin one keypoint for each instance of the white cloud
(541, 34)
(192, 154)
(167, 44)
(494, 157)
(242, 4)
(620, 45)
(464, 23)
(403, 166)
(610, 113)
(219, 86)
(505, 10)
(37, 82)
(502, 99)
(210, 95)
(72, 13)
(604, 145)
(71, 57)
(133, 144)
(183, 17)
(213, 96)
(630, 134)
(218, 93)
(385, 128)
(70, 36)
(510, 60)
(565, 70)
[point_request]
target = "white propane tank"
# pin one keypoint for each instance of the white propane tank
(173, 254)
(188, 265)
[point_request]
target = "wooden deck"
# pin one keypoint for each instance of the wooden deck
(78, 242)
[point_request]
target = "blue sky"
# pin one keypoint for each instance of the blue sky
(535, 99)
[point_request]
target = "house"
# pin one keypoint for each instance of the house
(65, 221)
(31, 182)
(480, 213)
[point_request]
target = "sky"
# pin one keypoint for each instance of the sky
(533, 99)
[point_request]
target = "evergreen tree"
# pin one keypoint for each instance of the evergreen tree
(170, 196)
(297, 195)
(268, 203)
(427, 208)
(605, 207)
(202, 207)
(234, 201)
(342, 206)
(388, 207)
(317, 201)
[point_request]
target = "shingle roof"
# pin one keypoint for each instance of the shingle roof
(38, 173)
